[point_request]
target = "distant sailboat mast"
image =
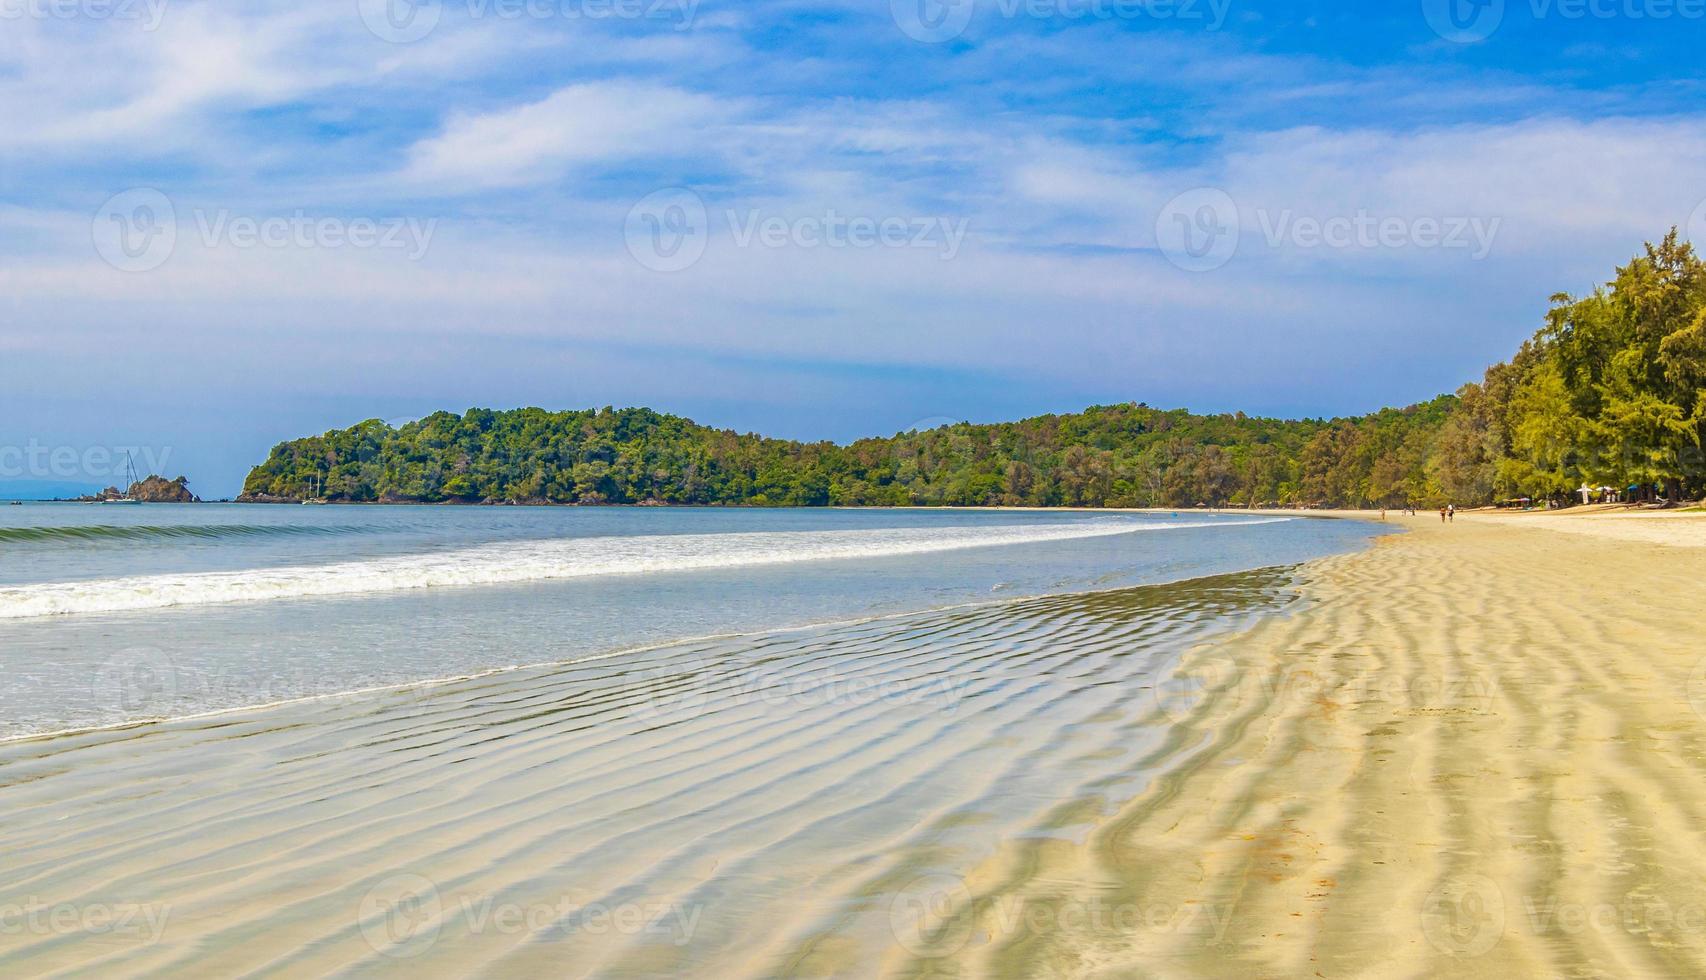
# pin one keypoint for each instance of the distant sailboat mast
(316, 489)
(124, 496)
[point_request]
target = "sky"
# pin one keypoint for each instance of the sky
(223, 225)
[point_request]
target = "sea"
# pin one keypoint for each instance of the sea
(114, 616)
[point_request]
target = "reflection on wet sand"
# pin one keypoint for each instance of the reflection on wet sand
(799, 802)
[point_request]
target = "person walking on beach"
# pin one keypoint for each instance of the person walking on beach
(1442, 515)
(1451, 512)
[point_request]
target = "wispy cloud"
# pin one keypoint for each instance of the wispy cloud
(581, 125)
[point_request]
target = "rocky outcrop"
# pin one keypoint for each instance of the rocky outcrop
(159, 490)
(152, 489)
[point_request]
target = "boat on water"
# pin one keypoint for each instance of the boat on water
(130, 484)
(316, 491)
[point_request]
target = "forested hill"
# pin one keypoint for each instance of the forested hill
(1117, 456)
(1611, 390)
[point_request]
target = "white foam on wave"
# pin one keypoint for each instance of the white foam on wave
(533, 561)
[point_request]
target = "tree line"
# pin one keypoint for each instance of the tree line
(1610, 391)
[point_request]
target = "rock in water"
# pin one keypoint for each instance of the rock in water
(159, 490)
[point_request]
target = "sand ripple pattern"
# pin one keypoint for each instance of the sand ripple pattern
(785, 803)
(1479, 752)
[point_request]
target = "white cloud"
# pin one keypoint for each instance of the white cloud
(580, 125)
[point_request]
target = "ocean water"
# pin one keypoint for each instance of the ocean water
(111, 615)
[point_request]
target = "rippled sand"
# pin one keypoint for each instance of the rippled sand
(1474, 750)
(1480, 751)
(769, 804)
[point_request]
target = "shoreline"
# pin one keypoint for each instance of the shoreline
(767, 631)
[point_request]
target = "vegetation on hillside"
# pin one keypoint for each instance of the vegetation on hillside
(1612, 390)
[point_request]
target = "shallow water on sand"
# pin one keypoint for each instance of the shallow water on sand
(166, 611)
(794, 802)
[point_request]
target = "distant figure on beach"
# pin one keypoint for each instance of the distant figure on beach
(1442, 515)
(1451, 512)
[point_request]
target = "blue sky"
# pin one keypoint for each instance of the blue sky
(801, 218)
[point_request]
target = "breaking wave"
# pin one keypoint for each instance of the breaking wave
(542, 560)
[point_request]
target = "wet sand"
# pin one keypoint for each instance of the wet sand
(743, 806)
(1474, 750)
(1478, 752)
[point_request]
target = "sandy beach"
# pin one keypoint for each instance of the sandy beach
(1476, 753)
(1472, 750)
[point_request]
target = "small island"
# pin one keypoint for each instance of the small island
(151, 489)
